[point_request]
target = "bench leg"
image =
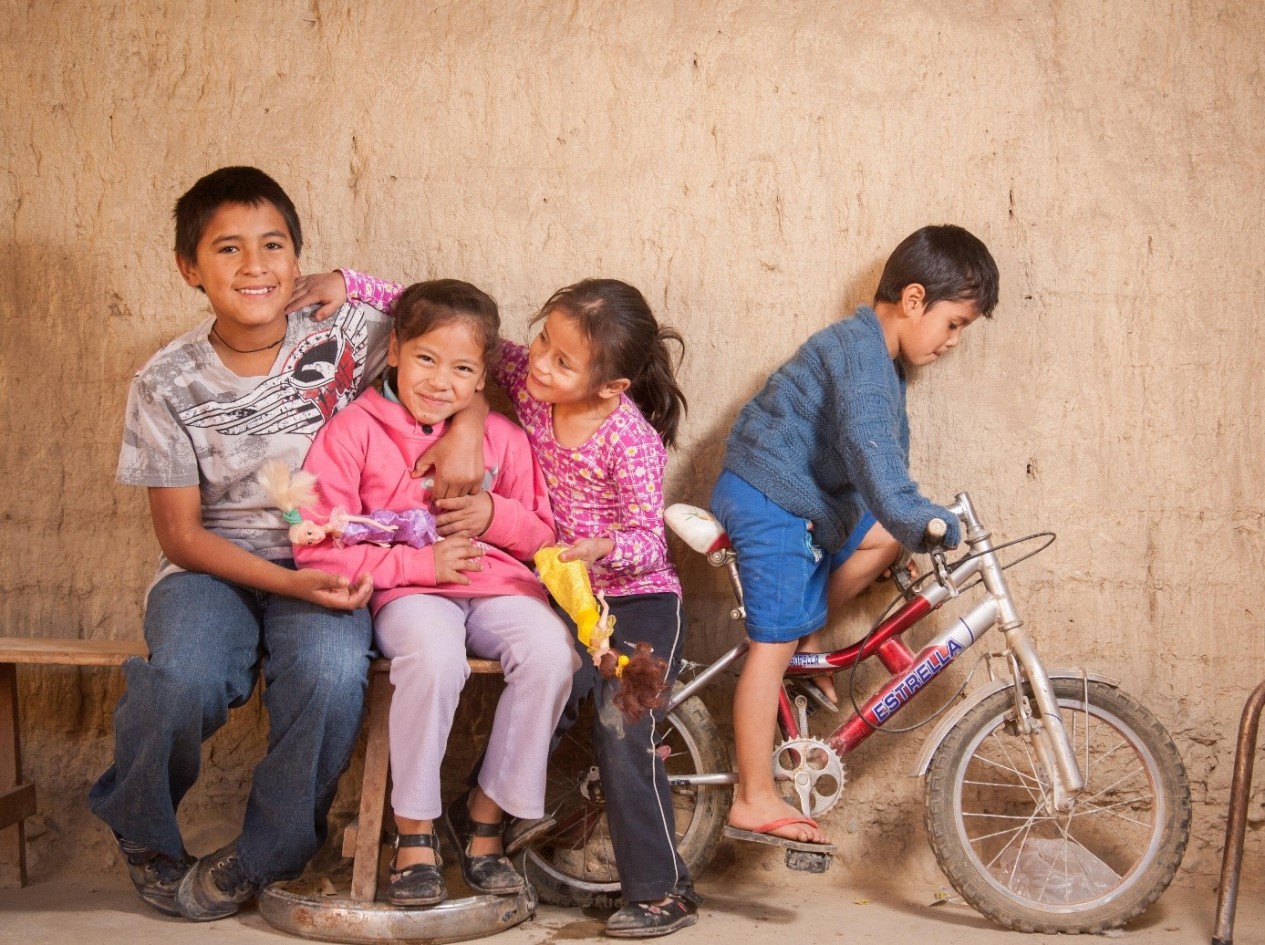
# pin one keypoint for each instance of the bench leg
(16, 801)
(373, 791)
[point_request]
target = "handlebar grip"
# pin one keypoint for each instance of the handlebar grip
(937, 528)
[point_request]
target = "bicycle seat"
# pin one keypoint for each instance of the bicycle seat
(696, 527)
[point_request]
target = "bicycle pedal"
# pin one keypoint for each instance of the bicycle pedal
(806, 862)
(816, 698)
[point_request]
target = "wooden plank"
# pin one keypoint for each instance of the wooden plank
(373, 791)
(491, 667)
(350, 833)
(12, 837)
(69, 652)
(115, 652)
(17, 804)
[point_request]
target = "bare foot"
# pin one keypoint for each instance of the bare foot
(757, 818)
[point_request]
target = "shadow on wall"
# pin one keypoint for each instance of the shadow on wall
(693, 471)
(81, 550)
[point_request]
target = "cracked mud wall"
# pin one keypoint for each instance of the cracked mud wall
(749, 167)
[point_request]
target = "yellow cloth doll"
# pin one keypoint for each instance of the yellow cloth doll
(643, 676)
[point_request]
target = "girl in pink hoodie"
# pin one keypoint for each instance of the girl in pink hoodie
(434, 604)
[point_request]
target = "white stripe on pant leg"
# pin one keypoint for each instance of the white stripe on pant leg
(669, 828)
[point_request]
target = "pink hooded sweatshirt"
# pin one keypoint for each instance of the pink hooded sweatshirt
(362, 459)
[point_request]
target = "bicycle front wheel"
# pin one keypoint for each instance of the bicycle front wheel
(574, 863)
(992, 824)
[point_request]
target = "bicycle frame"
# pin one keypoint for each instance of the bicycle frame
(911, 672)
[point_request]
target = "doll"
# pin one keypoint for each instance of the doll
(642, 675)
(415, 527)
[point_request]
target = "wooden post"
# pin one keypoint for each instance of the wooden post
(17, 801)
(373, 790)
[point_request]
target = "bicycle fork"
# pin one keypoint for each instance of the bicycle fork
(1045, 730)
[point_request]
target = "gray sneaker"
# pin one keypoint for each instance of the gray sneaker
(155, 875)
(216, 887)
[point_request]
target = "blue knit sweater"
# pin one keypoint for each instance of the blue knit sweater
(828, 437)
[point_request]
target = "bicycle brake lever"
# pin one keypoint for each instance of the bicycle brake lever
(942, 573)
(901, 575)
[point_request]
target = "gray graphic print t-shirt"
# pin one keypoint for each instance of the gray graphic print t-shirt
(192, 422)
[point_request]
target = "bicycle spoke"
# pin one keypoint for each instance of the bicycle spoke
(1146, 824)
(1018, 855)
(1120, 780)
(1025, 779)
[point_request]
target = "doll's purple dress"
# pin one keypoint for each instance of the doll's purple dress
(415, 527)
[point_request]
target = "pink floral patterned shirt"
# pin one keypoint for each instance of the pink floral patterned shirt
(609, 486)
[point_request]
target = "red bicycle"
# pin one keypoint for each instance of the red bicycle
(1055, 802)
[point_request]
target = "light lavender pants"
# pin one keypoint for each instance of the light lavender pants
(427, 638)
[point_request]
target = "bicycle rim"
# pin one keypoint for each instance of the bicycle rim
(574, 864)
(1018, 860)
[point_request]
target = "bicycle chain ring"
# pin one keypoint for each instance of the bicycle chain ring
(809, 774)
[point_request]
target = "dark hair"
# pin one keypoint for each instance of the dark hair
(947, 261)
(240, 185)
(425, 306)
(626, 341)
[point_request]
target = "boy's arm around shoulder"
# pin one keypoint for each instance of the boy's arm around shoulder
(522, 521)
(177, 519)
(871, 450)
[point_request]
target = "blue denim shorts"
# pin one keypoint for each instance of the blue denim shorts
(785, 573)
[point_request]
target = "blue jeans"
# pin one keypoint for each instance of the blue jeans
(208, 640)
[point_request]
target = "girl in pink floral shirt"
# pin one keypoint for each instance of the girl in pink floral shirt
(597, 395)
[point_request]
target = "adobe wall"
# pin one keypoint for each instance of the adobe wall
(749, 167)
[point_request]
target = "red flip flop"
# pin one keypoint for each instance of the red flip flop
(764, 834)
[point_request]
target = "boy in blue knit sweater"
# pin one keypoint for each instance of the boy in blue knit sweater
(815, 491)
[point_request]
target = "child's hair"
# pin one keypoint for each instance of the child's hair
(425, 306)
(949, 262)
(229, 185)
(626, 341)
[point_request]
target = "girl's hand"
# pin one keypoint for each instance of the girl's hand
(464, 516)
(327, 288)
(332, 590)
(452, 557)
(588, 550)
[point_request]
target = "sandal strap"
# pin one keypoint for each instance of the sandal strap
(416, 840)
(479, 829)
(416, 868)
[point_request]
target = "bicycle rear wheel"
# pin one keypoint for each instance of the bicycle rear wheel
(991, 822)
(574, 863)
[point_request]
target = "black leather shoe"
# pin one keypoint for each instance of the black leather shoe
(155, 875)
(421, 884)
(216, 887)
(678, 910)
(492, 873)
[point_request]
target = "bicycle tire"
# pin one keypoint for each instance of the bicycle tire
(573, 864)
(1001, 848)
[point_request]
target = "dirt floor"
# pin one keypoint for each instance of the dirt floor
(103, 910)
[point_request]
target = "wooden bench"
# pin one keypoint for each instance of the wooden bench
(17, 799)
(362, 839)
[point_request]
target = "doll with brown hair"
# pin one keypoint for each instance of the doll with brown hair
(414, 527)
(643, 675)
